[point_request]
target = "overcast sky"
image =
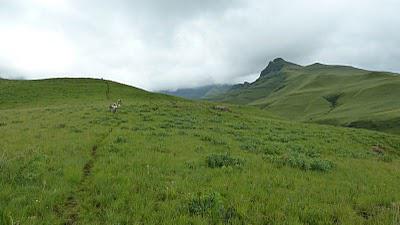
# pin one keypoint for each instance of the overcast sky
(167, 44)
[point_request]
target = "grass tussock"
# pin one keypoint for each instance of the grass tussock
(303, 162)
(223, 160)
(212, 206)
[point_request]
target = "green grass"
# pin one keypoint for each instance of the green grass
(64, 159)
(336, 95)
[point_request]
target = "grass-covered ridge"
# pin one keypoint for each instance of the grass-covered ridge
(337, 95)
(64, 91)
(162, 160)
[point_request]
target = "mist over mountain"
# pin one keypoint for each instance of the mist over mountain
(204, 92)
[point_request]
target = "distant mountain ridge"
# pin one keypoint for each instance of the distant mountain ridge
(329, 94)
(203, 92)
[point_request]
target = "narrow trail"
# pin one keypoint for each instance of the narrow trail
(70, 215)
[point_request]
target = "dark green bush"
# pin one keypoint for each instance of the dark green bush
(223, 160)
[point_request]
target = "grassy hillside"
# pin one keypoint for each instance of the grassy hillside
(64, 159)
(337, 95)
(65, 91)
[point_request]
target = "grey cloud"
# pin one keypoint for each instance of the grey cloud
(158, 44)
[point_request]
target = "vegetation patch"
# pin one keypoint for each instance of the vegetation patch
(303, 162)
(221, 108)
(5, 218)
(76, 130)
(333, 99)
(113, 148)
(378, 149)
(223, 160)
(380, 125)
(372, 211)
(61, 126)
(120, 140)
(250, 146)
(385, 158)
(212, 206)
(213, 140)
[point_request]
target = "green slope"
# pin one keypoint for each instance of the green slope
(65, 91)
(64, 159)
(337, 95)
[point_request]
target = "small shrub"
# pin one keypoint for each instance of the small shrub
(223, 160)
(3, 124)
